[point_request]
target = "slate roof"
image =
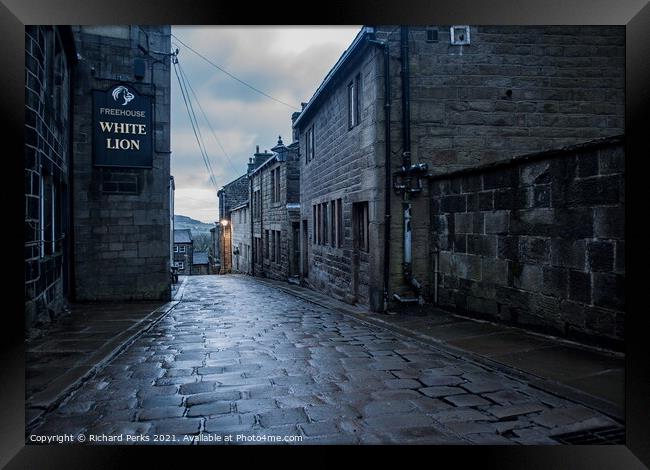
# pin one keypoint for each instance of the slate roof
(182, 235)
(200, 257)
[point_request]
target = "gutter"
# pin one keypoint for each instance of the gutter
(365, 32)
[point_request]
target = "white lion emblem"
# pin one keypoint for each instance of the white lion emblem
(128, 96)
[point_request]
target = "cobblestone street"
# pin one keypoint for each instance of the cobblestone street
(237, 357)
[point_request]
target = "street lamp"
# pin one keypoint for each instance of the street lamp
(224, 222)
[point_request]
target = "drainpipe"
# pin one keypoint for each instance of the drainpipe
(387, 166)
(251, 261)
(406, 163)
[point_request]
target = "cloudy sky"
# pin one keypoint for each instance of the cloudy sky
(287, 63)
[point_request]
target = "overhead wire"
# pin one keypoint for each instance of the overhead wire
(198, 102)
(233, 76)
(194, 129)
(196, 121)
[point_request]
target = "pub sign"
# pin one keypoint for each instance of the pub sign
(122, 127)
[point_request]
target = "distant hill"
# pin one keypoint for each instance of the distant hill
(196, 226)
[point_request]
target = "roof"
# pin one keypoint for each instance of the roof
(240, 206)
(266, 162)
(200, 257)
(329, 78)
(223, 188)
(183, 235)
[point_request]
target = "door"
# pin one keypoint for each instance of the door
(304, 253)
(360, 248)
(294, 269)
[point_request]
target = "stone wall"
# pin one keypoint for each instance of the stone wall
(232, 195)
(347, 165)
(276, 218)
(241, 239)
(121, 216)
(48, 70)
(537, 241)
(513, 90)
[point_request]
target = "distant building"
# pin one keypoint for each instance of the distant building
(183, 251)
(240, 226)
(275, 214)
(232, 195)
(200, 263)
(214, 253)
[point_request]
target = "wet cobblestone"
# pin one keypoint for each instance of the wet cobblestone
(239, 357)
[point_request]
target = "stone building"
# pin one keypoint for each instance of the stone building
(275, 214)
(200, 263)
(50, 59)
(183, 251)
(407, 104)
(96, 165)
(172, 192)
(121, 200)
(214, 253)
(240, 225)
(232, 195)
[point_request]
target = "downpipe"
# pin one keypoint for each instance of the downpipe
(406, 165)
(408, 255)
(387, 166)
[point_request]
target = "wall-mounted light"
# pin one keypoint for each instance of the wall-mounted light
(224, 222)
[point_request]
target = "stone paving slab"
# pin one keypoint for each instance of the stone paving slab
(60, 360)
(592, 376)
(412, 394)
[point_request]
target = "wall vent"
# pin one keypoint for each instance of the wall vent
(459, 35)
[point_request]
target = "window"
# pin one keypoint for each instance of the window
(319, 226)
(432, 34)
(275, 185)
(339, 223)
(309, 145)
(278, 257)
(50, 217)
(325, 213)
(256, 204)
(182, 249)
(175, 248)
(353, 102)
(272, 245)
(266, 244)
(333, 223)
(180, 265)
(313, 226)
(360, 218)
(257, 250)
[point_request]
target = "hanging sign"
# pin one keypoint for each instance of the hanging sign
(122, 128)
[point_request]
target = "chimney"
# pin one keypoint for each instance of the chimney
(294, 131)
(280, 149)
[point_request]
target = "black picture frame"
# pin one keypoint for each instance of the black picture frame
(634, 14)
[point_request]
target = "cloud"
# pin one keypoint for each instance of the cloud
(288, 63)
